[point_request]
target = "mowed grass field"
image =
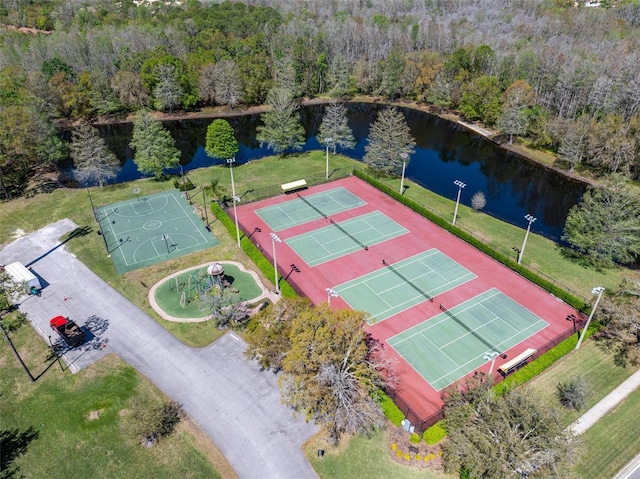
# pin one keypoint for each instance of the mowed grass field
(73, 426)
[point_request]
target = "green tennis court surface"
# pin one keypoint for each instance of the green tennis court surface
(152, 229)
(308, 208)
(399, 286)
(341, 238)
(450, 345)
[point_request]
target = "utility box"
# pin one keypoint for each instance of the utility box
(20, 274)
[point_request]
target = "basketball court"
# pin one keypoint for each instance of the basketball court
(454, 343)
(402, 285)
(152, 229)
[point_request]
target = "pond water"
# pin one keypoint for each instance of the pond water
(445, 152)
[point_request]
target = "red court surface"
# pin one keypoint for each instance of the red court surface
(312, 282)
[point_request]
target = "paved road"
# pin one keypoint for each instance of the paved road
(235, 403)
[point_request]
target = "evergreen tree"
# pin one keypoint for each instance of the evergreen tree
(221, 140)
(335, 125)
(154, 146)
(389, 138)
(281, 129)
(94, 162)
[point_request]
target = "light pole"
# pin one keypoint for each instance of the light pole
(331, 293)
(530, 219)
(597, 290)
(327, 142)
(235, 214)
(184, 190)
(230, 162)
(275, 239)
(460, 185)
(404, 157)
(491, 356)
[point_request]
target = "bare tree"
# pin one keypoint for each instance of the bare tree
(167, 92)
(227, 83)
(93, 161)
(131, 92)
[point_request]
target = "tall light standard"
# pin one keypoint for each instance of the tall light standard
(597, 290)
(230, 162)
(404, 157)
(491, 356)
(331, 293)
(327, 142)
(275, 239)
(530, 219)
(184, 189)
(460, 185)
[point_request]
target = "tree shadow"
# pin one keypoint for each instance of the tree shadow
(13, 444)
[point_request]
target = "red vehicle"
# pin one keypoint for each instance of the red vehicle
(72, 334)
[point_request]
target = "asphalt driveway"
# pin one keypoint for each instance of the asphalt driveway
(229, 397)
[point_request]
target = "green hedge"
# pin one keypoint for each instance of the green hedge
(390, 410)
(473, 241)
(434, 434)
(252, 250)
(546, 360)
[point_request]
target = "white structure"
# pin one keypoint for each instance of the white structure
(19, 274)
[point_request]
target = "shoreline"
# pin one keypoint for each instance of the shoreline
(225, 112)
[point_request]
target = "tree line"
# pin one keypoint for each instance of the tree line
(549, 74)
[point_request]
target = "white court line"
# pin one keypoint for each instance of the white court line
(188, 215)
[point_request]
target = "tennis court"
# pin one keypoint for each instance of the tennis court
(402, 285)
(452, 344)
(151, 229)
(342, 238)
(308, 208)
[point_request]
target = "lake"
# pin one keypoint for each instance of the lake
(513, 186)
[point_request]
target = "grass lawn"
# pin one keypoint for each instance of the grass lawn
(612, 442)
(362, 458)
(590, 362)
(51, 418)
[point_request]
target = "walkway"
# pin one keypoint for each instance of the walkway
(609, 402)
(229, 397)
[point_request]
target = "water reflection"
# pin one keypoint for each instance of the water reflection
(445, 151)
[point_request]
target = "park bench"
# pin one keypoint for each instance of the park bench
(516, 363)
(293, 186)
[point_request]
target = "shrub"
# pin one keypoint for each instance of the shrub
(418, 457)
(188, 184)
(407, 457)
(573, 393)
(415, 438)
(478, 201)
(390, 410)
(149, 423)
(434, 434)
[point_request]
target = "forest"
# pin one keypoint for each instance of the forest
(551, 74)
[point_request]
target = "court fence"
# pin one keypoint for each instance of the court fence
(496, 252)
(423, 423)
(313, 180)
(289, 286)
